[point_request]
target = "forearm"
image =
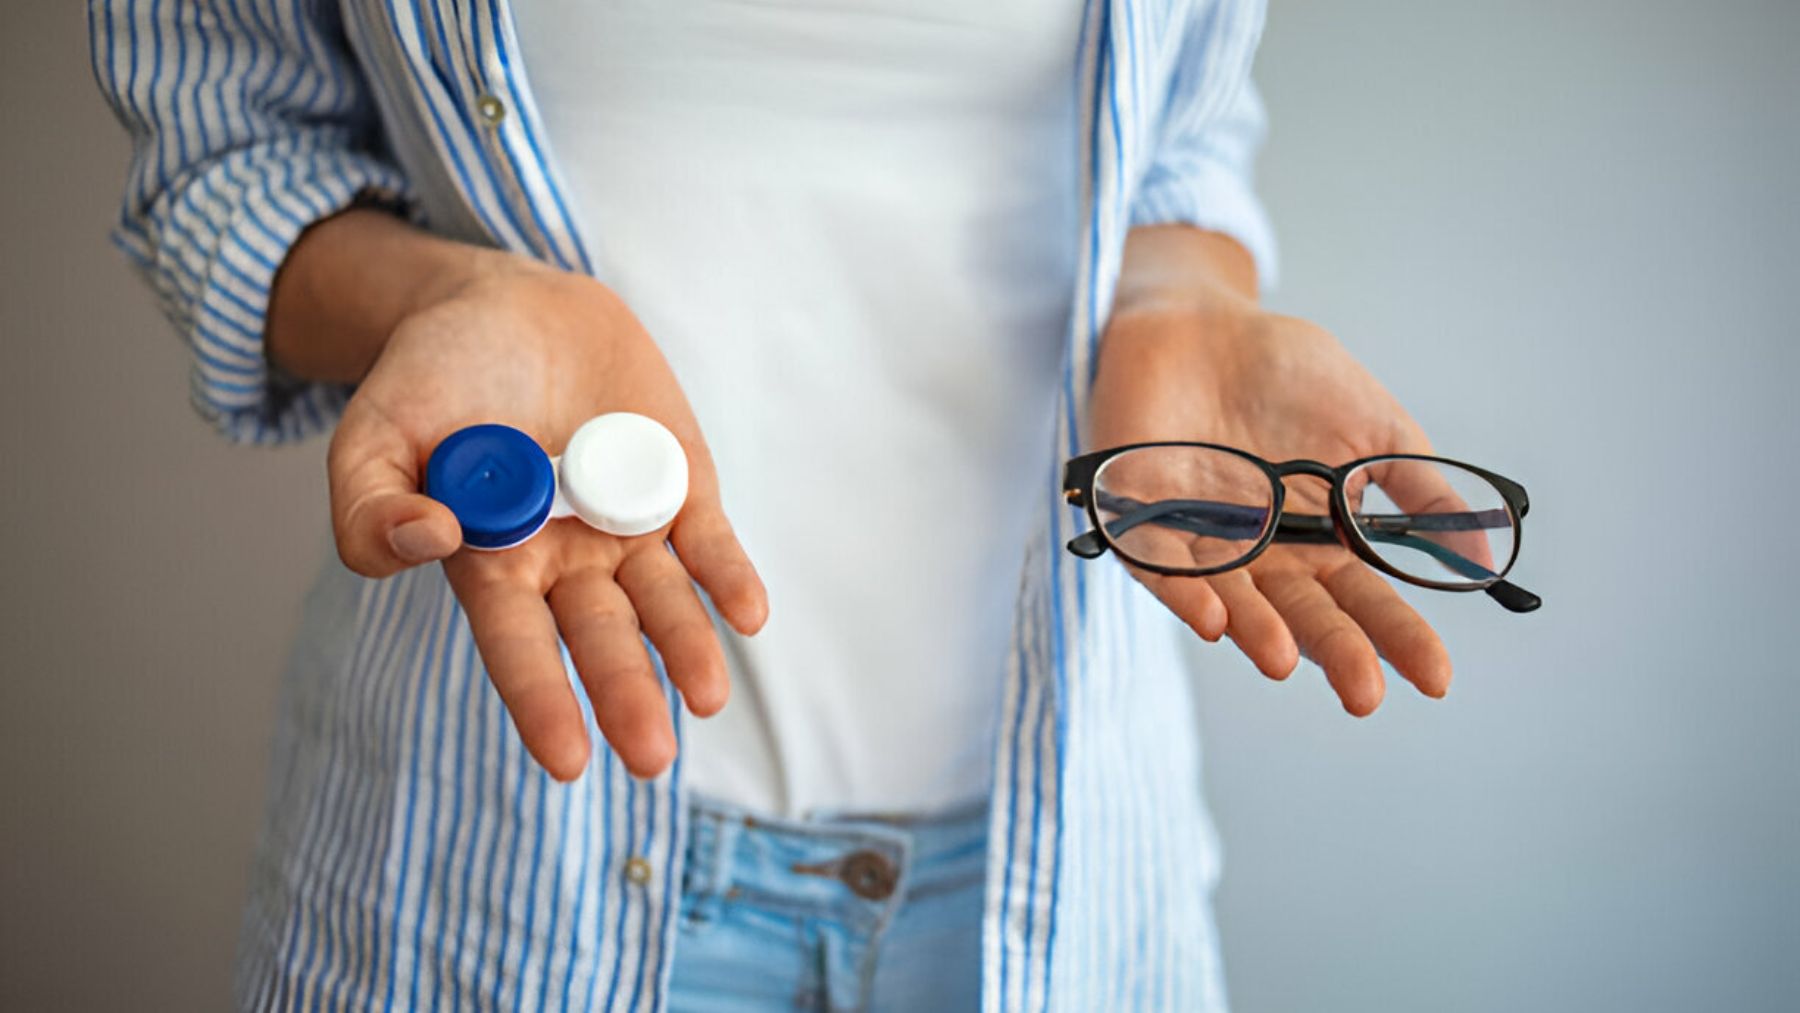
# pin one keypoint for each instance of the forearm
(349, 282)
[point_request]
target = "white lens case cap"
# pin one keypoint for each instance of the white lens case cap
(623, 473)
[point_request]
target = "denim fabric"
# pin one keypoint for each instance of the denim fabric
(835, 913)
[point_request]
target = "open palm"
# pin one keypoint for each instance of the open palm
(1282, 389)
(543, 351)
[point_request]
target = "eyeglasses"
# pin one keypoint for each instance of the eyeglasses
(1194, 509)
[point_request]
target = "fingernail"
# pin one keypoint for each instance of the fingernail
(414, 542)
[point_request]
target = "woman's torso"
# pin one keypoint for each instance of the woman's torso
(852, 231)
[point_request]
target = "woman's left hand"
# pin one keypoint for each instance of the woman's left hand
(1221, 370)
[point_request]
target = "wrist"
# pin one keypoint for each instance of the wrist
(437, 270)
(349, 282)
(1179, 270)
(1183, 320)
(1185, 315)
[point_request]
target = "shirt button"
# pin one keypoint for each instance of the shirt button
(637, 870)
(869, 875)
(492, 110)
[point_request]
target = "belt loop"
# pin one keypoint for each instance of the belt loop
(712, 838)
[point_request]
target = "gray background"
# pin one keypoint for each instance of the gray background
(1563, 232)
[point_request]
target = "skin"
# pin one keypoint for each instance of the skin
(1188, 354)
(442, 336)
(439, 335)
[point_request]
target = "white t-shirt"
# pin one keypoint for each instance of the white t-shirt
(851, 228)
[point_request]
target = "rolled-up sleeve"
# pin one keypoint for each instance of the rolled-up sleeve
(249, 122)
(1203, 168)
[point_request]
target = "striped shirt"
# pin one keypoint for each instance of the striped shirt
(413, 856)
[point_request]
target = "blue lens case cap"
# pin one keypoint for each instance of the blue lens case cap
(496, 480)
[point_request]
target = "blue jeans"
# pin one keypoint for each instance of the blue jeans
(839, 913)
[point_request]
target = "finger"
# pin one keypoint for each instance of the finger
(1255, 626)
(601, 629)
(1192, 600)
(517, 640)
(669, 610)
(710, 552)
(1327, 635)
(380, 520)
(1399, 633)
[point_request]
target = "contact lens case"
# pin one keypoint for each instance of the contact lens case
(621, 473)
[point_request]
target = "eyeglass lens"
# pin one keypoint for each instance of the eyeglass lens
(1432, 520)
(1183, 508)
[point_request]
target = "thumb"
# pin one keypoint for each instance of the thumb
(380, 520)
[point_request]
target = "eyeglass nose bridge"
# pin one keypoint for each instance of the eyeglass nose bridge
(1315, 469)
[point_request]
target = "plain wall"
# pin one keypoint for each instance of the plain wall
(1564, 233)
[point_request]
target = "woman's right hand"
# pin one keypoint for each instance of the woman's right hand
(499, 338)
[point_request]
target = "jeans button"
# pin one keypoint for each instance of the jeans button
(869, 875)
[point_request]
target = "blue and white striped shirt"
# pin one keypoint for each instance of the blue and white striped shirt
(414, 856)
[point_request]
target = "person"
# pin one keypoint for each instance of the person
(880, 268)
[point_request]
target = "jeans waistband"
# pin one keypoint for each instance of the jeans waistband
(853, 867)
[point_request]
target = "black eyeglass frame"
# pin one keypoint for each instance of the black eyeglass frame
(1080, 473)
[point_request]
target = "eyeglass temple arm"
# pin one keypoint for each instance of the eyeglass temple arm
(1200, 517)
(1396, 529)
(1238, 522)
